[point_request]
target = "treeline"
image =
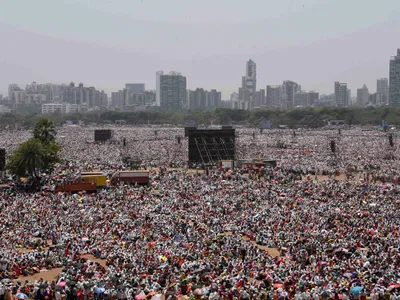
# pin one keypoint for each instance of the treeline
(304, 117)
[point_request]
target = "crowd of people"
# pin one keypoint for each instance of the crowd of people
(281, 233)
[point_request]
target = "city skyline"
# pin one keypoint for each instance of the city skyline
(354, 50)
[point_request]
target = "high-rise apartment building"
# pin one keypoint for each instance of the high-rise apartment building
(234, 99)
(382, 86)
(362, 96)
(305, 98)
(85, 98)
(341, 94)
(378, 99)
(136, 88)
(300, 99)
(249, 86)
(158, 87)
(274, 96)
(202, 99)
(120, 99)
(214, 98)
(394, 80)
(172, 91)
(147, 98)
(313, 97)
(259, 99)
(289, 88)
(198, 99)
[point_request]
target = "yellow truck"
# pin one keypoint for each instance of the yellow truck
(98, 180)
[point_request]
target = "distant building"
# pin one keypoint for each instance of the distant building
(120, 99)
(289, 88)
(214, 99)
(172, 91)
(382, 86)
(244, 98)
(325, 101)
(300, 99)
(350, 99)
(394, 80)
(313, 97)
(35, 94)
(146, 98)
(341, 94)
(49, 108)
(259, 99)
(202, 99)
(135, 88)
(11, 89)
(305, 98)
(64, 108)
(249, 86)
(362, 96)
(198, 99)
(19, 97)
(158, 87)
(234, 100)
(274, 96)
(377, 99)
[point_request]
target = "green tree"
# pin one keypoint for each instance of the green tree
(28, 159)
(44, 131)
(33, 156)
(36, 154)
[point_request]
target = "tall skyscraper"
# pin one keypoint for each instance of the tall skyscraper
(289, 88)
(135, 88)
(313, 97)
(305, 99)
(259, 99)
(341, 94)
(235, 101)
(382, 86)
(300, 99)
(172, 91)
(198, 99)
(362, 96)
(214, 98)
(249, 86)
(394, 80)
(350, 99)
(158, 87)
(202, 99)
(274, 96)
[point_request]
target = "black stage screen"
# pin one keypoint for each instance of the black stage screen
(208, 146)
(102, 135)
(2, 159)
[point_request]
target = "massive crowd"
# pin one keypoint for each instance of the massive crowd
(221, 234)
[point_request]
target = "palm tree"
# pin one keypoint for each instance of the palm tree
(45, 131)
(29, 159)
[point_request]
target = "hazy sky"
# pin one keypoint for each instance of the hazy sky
(107, 43)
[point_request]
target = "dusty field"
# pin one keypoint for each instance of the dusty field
(50, 275)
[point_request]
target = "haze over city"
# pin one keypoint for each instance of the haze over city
(109, 43)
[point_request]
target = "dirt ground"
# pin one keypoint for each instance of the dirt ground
(50, 275)
(47, 275)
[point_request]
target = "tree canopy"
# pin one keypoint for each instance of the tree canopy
(36, 154)
(44, 131)
(298, 117)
